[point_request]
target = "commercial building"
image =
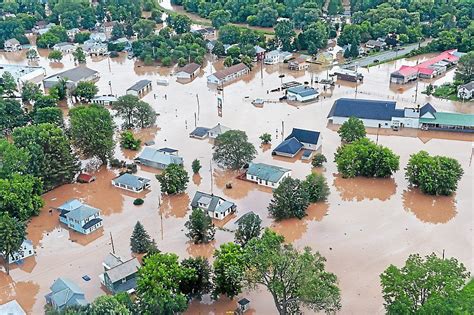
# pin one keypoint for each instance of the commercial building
(23, 73)
(302, 93)
(228, 74)
(72, 77)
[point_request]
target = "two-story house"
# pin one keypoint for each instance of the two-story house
(80, 217)
(215, 206)
(120, 275)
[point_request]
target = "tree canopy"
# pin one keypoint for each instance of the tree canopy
(174, 179)
(290, 200)
(200, 227)
(12, 235)
(134, 112)
(232, 149)
(351, 130)
(249, 226)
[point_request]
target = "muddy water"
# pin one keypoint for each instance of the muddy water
(364, 226)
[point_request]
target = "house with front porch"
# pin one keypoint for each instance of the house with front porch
(215, 206)
(80, 217)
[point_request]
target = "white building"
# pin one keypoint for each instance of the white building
(228, 74)
(466, 91)
(72, 77)
(72, 32)
(131, 182)
(23, 73)
(277, 56)
(104, 100)
(140, 88)
(302, 93)
(12, 45)
(215, 206)
(189, 71)
(266, 175)
(65, 48)
(26, 250)
(217, 130)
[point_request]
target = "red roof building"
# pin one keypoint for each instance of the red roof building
(85, 178)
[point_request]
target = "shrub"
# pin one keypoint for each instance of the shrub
(318, 160)
(128, 141)
(138, 202)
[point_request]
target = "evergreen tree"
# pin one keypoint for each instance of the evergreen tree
(140, 241)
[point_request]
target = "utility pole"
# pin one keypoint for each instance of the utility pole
(416, 90)
(212, 179)
(195, 122)
(112, 243)
(282, 129)
(161, 215)
(197, 97)
(261, 69)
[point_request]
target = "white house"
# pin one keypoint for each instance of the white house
(104, 100)
(12, 44)
(277, 56)
(466, 91)
(302, 93)
(217, 130)
(215, 206)
(80, 217)
(12, 308)
(72, 32)
(26, 250)
(228, 74)
(266, 175)
(131, 182)
(65, 48)
(72, 76)
(188, 72)
(96, 48)
(98, 37)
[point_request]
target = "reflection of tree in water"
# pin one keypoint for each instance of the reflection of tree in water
(427, 208)
(361, 188)
(23, 292)
(175, 205)
(201, 250)
(240, 188)
(197, 179)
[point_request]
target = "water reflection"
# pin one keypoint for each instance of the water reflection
(23, 292)
(201, 250)
(361, 188)
(197, 179)
(427, 208)
(175, 205)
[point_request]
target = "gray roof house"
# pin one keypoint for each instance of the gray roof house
(466, 91)
(131, 182)
(158, 159)
(12, 44)
(266, 175)
(217, 130)
(119, 275)
(80, 217)
(216, 207)
(72, 77)
(12, 308)
(65, 47)
(140, 88)
(65, 293)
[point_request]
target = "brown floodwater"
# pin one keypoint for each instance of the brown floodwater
(363, 227)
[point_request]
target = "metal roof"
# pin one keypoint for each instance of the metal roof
(219, 129)
(139, 85)
(450, 119)
(76, 74)
(304, 136)
(199, 132)
(11, 308)
(216, 204)
(154, 155)
(303, 90)
(289, 146)
(131, 180)
(123, 270)
(365, 109)
(267, 172)
(82, 213)
(230, 71)
(190, 68)
(63, 290)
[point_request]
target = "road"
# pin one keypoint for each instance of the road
(384, 56)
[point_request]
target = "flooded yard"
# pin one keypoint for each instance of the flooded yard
(365, 225)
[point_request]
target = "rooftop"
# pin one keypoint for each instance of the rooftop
(190, 68)
(75, 74)
(82, 213)
(18, 71)
(11, 308)
(267, 172)
(139, 85)
(365, 109)
(304, 136)
(63, 290)
(131, 180)
(215, 203)
(229, 71)
(154, 155)
(199, 132)
(468, 86)
(303, 90)
(450, 119)
(219, 129)
(289, 146)
(112, 260)
(123, 270)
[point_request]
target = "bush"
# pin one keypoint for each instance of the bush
(128, 141)
(116, 163)
(352, 130)
(316, 187)
(266, 138)
(196, 166)
(318, 160)
(138, 202)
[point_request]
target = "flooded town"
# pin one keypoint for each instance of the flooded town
(364, 224)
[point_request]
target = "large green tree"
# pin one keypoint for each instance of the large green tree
(294, 279)
(406, 290)
(465, 68)
(11, 115)
(30, 91)
(316, 187)
(249, 226)
(174, 179)
(52, 115)
(290, 200)
(14, 160)
(134, 112)
(20, 196)
(12, 235)
(92, 131)
(201, 281)
(200, 227)
(85, 90)
(229, 268)
(140, 240)
(284, 34)
(9, 84)
(232, 149)
(351, 130)
(108, 304)
(52, 159)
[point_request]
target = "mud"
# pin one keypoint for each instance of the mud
(364, 226)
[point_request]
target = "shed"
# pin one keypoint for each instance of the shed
(140, 88)
(199, 133)
(85, 178)
(189, 71)
(244, 304)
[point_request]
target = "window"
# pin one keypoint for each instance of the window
(217, 215)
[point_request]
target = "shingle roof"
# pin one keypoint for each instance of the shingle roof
(131, 180)
(427, 108)
(229, 71)
(139, 85)
(190, 68)
(219, 129)
(123, 270)
(304, 136)
(75, 74)
(365, 109)
(199, 132)
(303, 90)
(70, 205)
(91, 223)
(154, 155)
(213, 202)
(112, 260)
(63, 290)
(83, 212)
(289, 146)
(13, 41)
(468, 86)
(268, 172)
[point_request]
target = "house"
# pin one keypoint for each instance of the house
(12, 308)
(207, 32)
(348, 75)
(26, 250)
(404, 75)
(140, 88)
(41, 27)
(23, 74)
(216, 207)
(430, 119)
(127, 45)
(72, 77)
(80, 217)
(108, 26)
(259, 53)
(98, 37)
(85, 178)
(170, 151)
(302, 93)
(288, 148)
(298, 64)
(199, 133)
(189, 71)
(156, 159)
(266, 175)
(217, 130)
(64, 47)
(277, 56)
(228, 74)
(466, 91)
(71, 33)
(375, 44)
(131, 182)
(12, 44)
(104, 100)
(210, 45)
(65, 293)
(95, 48)
(120, 275)
(298, 139)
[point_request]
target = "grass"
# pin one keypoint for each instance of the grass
(446, 91)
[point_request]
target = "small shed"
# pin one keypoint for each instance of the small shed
(140, 88)
(199, 133)
(244, 305)
(189, 71)
(85, 178)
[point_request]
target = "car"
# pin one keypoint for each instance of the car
(376, 60)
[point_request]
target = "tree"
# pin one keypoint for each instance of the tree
(200, 227)
(52, 158)
(14, 160)
(406, 290)
(59, 90)
(266, 138)
(140, 241)
(233, 52)
(55, 55)
(8, 84)
(429, 89)
(108, 304)
(249, 227)
(313, 37)
(29, 91)
(11, 115)
(20, 196)
(364, 158)
(196, 166)
(229, 34)
(79, 55)
(266, 16)
(85, 90)
(173, 180)
(465, 68)
(335, 7)
(134, 112)
(232, 149)
(229, 61)
(52, 115)
(144, 115)
(92, 131)
(294, 279)
(43, 101)
(284, 34)
(290, 200)
(434, 175)
(158, 285)
(316, 187)
(351, 130)
(460, 302)
(318, 160)
(229, 268)
(144, 27)
(117, 31)
(219, 18)
(128, 141)
(200, 284)
(31, 54)
(12, 235)
(180, 23)
(81, 37)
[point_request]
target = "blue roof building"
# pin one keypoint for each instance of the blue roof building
(216, 207)
(80, 217)
(298, 139)
(131, 182)
(266, 175)
(199, 133)
(65, 293)
(289, 148)
(158, 159)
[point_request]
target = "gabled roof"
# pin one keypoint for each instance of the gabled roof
(303, 90)
(289, 146)
(123, 270)
(365, 109)
(450, 119)
(230, 71)
(91, 223)
(131, 180)
(139, 85)
(13, 41)
(268, 172)
(216, 203)
(258, 49)
(219, 129)
(75, 74)
(154, 155)
(190, 68)
(64, 290)
(70, 205)
(304, 136)
(427, 108)
(468, 86)
(199, 132)
(112, 260)
(82, 213)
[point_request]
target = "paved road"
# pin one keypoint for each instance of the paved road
(384, 56)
